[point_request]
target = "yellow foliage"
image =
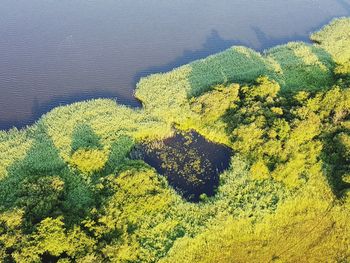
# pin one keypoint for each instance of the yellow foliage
(301, 230)
(13, 146)
(89, 160)
(335, 38)
(259, 171)
(277, 110)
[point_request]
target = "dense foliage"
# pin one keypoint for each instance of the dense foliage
(69, 191)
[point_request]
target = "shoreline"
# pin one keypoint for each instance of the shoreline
(137, 103)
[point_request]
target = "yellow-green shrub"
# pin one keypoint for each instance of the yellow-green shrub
(89, 160)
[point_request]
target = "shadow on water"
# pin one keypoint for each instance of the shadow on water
(267, 42)
(214, 43)
(345, 4)
(38, 109)
(191, 164)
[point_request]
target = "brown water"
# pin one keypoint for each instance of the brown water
(55, 52)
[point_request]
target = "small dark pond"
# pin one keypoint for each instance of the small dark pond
(191, 164)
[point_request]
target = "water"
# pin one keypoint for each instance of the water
(190, 163)
(57, 52)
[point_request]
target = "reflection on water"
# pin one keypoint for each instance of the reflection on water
(57, 52)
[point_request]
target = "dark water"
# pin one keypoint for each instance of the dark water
(191, 164)
(55, 52)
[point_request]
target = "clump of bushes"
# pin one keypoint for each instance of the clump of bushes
(87, 152)
(84, 137)
(89, 160)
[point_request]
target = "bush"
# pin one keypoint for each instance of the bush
(85, 138)
(89, 161)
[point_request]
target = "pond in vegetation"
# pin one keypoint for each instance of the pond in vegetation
(57, 52)
(191, 164)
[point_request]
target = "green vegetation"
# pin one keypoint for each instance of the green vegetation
(70, 192)
(334, 39)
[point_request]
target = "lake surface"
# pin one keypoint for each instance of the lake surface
(54, 52)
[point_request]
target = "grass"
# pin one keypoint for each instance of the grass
(335, 39)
